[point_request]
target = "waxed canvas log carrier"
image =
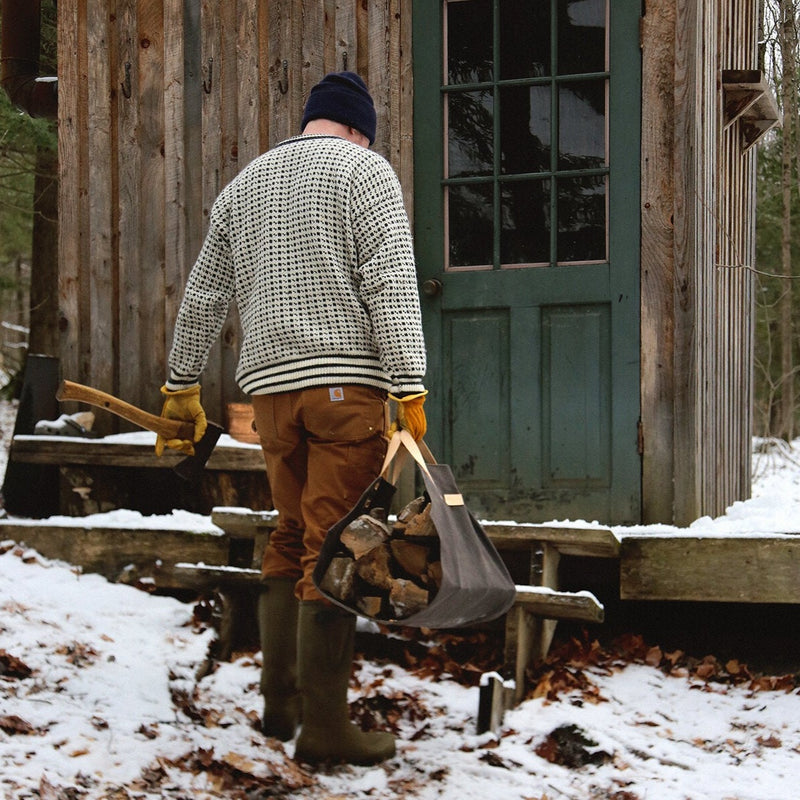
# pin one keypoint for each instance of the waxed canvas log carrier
(435, 567)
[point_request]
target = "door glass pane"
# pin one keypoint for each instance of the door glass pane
(525, 129)
(469, 223)
(582, 219)
(540, 111)
(525, 233)
(582, 124)
(581, 36)
(469, 49)
(524, 39)
(470, 125)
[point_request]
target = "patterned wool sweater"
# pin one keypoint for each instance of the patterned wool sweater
(312, 242)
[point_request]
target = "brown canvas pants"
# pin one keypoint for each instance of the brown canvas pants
(322, 447)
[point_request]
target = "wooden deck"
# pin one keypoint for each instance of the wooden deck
(735, 568)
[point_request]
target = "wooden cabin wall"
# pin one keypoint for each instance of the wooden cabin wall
(160, 105)
(697, 233)
(735, 204)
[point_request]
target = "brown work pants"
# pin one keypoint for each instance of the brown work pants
(322, 447)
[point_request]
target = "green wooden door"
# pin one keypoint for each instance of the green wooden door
(527, 138)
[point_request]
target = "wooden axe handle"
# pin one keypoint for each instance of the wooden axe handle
(168, 428)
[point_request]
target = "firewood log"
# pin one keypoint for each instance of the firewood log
(363, 534)
(411, 557)
(338, 578)
(373, 567)
(421, 524)
(435, 573)
(407, 598)
(411, 509)
(369, 605)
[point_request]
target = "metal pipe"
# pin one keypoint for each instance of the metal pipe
(19, 73)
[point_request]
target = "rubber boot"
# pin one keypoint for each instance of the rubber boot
(325, 658)
(277, 626)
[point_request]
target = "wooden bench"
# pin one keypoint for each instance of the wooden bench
(539, 604)
(89, 476)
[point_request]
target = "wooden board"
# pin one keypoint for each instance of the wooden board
(736, 569)
(110, 551)
(550, 604)
(52, 450)
(244, 523)
(597, 542)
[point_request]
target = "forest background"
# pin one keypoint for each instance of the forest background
(29, 225)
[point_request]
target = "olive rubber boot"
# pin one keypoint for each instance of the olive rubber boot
(277, 627)
(326, 638)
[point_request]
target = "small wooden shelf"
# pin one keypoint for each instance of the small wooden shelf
(748, 98)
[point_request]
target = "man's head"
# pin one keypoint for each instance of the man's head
(342, 97)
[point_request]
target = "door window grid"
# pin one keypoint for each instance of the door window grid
(491, 183)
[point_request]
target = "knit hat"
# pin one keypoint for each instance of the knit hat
(342, 97)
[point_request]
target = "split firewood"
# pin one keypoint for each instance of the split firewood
(407, 598)
(369, 605)
(338, 578)
(412, 557)
(411, 510)
(373, 567)
(363, 534)
(421, 524)
(435, 573)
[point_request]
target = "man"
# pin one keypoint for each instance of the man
(312, 242)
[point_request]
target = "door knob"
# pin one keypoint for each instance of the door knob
(432, 287)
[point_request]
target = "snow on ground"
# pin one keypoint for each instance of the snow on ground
(106, 692)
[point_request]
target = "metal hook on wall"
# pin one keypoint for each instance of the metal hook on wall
(207, 84)
(344, 60)
(126, 84)
(283, 85)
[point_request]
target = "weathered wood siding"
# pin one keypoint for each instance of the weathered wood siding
(160, 105)
(697, 239)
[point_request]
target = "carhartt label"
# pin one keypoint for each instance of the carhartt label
(336, 393)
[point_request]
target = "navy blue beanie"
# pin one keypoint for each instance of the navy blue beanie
(342, 97)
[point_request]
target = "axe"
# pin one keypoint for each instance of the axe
(190, 467)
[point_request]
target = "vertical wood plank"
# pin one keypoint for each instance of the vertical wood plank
(212, 160)
(312, 46)
(193, 93)
(153, 339)
(129, 198)
(248, 96)
(281, 124)
(69, 137)
(657, 260)
(688, 327)
(346, 36)
(174, 167)
(379, 72)
(264, 56)
(102, 289)
(228, 344)
(403, 114)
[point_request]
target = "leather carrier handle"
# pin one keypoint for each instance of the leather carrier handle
(168, 428)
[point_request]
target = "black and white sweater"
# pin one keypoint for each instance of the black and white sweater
(312, 242)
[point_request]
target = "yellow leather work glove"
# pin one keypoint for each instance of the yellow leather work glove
(410, 415)
(183, 405)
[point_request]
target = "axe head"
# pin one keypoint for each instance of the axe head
(191, 467)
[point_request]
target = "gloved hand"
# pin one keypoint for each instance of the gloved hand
(183, 405)
(410, 415)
